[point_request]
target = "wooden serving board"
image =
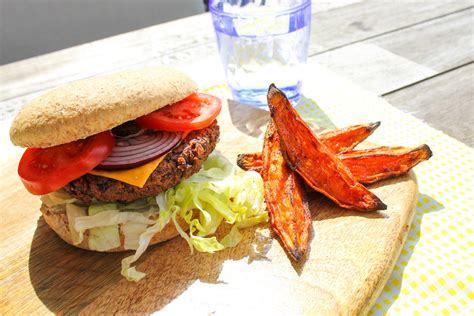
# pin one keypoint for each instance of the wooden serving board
(351, 256)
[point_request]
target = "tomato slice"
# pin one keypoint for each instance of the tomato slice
(44, 170)
(196, 111)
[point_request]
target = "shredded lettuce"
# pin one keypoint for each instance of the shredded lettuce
(215, 195)
(97, 208)
(103, 224)
(130, 272)
(232, 239)
(57, 198)
(218, 194)
(103, 238)
(132, 232)
(73, 212)
(106, 218)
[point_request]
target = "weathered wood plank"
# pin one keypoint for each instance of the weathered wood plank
(373, 68)
(400, 58)
(445, 102)
(441, 44)
(360, 21)
(192, 38)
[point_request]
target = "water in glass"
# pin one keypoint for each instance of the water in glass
(263, 44)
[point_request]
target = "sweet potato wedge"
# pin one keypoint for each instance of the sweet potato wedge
(337, 140)
(250, 162)
(289, 213)
(317, 165)
(375, 164)
(367, 166)
(344, 139)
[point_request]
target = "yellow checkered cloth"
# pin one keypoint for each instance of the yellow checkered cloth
(434, 274)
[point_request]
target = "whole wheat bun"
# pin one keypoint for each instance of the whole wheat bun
(87, 107)
(56, 218)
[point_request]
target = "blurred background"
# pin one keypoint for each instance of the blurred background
(30, 28)
(418, 55)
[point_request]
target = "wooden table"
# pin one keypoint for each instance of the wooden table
(418, 56)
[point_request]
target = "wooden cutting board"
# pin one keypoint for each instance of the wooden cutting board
(351, 256)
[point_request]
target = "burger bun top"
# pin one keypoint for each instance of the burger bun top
(87, 107)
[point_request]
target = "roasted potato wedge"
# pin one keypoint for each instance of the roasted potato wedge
(289, 213)
(317, 165)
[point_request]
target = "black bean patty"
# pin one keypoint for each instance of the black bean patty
(181, 163)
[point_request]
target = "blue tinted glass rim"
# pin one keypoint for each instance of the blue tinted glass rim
(214, 10)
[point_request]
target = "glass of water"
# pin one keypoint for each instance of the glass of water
(262, 42)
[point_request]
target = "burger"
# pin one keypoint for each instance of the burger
(102, 153)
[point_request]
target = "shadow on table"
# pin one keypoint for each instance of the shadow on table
(248, 119)
(426, 204)
(252, 121)
(66, 279)
(70, 280)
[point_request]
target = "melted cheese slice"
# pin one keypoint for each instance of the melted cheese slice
(135, 176)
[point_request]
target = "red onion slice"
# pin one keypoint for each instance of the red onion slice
(136, 151)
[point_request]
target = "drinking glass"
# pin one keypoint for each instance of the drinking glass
(262, 42)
